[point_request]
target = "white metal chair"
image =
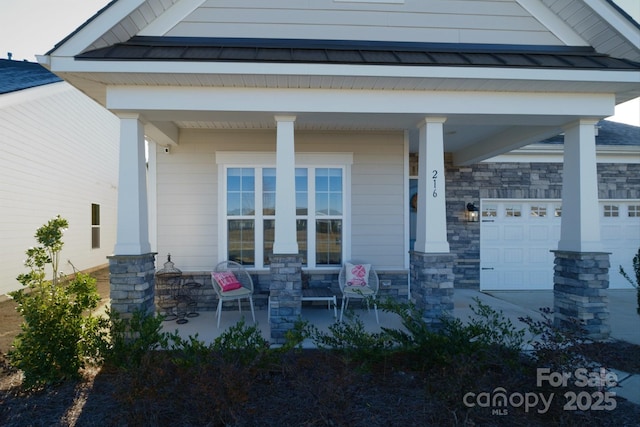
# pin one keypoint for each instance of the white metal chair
(358, 290)
(245, 290)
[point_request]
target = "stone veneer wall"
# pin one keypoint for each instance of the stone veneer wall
(432, 285)
(519, 181)
(132, 283)
(285, 295)
(581, 280)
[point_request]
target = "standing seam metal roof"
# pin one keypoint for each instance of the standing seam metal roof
(356, 52)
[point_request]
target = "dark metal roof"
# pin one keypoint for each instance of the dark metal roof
(610, 133)
(356, 52)
(19, 75)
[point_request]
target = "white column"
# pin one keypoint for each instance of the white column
(580, 225)
(285, 241)
(133, 221)
(431, 213)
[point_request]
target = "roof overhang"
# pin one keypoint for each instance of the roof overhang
(493, 103)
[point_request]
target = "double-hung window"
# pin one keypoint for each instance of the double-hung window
(248, 195)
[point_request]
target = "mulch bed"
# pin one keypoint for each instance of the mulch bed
(303, 388)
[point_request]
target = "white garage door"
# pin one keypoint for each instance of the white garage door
(516, 237)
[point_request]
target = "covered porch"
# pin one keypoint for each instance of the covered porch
(229, 142)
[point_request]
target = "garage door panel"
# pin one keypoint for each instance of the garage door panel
(539, 233)
(612, 232)
(492, 233)
(513, 255)
(492, 255)
(513, 232)
(539, 255)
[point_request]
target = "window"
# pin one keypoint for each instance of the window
(241, 215)
(557, 211)
(611, 211)
(633, 211)
(95, 226)
(250, 212)
(513, 211)
(489, 211)
(328, 216)
(538, 211)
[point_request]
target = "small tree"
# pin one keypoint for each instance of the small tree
(636, 284)
(59, 335)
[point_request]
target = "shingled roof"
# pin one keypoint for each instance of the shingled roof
(610, 133)
(20, 75)
(355, 52)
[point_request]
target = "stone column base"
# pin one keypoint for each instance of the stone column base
(285, 296)
(432, 285)
(580, 283)
(132, 279)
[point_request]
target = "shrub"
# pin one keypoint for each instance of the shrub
(558, 348)
(133, 337)
(636, 284)
(59, 335)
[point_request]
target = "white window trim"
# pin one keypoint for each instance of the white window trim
(231, 159)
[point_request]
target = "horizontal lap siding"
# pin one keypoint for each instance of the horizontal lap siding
(188, 195)
(377, 188)
(464, 21)
(188, 223)
(60, 155)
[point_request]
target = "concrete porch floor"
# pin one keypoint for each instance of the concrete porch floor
(624, 321)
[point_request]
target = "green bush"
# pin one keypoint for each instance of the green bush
(131, 338)
(59, 335)
(636, 284)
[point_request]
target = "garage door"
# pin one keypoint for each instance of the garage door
(516, 237)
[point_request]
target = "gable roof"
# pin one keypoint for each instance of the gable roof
(589, 20)
(355, 52)
(20, 75)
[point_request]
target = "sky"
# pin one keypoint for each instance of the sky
(33, 27)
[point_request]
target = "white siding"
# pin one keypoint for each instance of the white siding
(450, 21)
(188, 192)
(59, 155)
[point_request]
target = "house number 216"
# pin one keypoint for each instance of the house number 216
(435, 181)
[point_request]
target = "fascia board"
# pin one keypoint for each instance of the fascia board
(95, 29)
(145, 98)
(70, 65)
(553, 22)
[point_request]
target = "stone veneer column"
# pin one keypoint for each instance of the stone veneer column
(132, 280)
(432, 285)
(580, 287)
(285, 297)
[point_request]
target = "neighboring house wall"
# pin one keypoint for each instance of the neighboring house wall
(59, 156)
(188, 222)
(466, 21)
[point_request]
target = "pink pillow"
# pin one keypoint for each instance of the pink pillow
(358, 274)
(227, 281)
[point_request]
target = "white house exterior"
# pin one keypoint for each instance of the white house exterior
(282, 133)
(59, 157)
